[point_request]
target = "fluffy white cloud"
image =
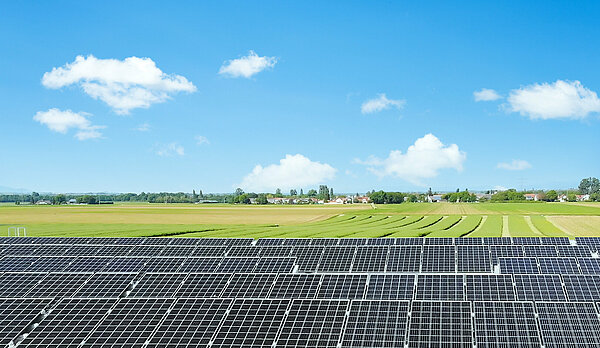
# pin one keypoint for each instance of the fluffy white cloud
(122, 84)
(168, 150)
(514, 165)
(201, 140)
(561, 99)
(62, 121)
(247, 66)
(293, 171)
(423, 160)
(144, 127)
(486, 94)
(381, 103)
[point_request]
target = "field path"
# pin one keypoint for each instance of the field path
(505, 231)
(532, 226)
(483, 219)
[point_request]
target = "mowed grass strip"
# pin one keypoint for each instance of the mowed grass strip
(518, 227)
(546, 227)
(462, 228)
(491, 227)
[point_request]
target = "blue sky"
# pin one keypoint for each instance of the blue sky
(312, 92)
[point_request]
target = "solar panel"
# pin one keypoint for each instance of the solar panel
(518, 265)
(130, 323)
(158, 285)
(209, 251)
(243, 251)
(163, 264)
(251, 323)
(381, 241)
(497, 240)
(438, 259)
(212, 242)
(353, 241)
(498, 251)
(69, 323)
(296, 286)
(237, 264)
(409, 241)
(564, 324)
(440, 324)
(249, 285)
(276, 251)
(184, 241)
(439, 241)
(589, 265)
(473, 259)
(337, 259)
(540, 251)
(574, 251)
(342, 286)
(21, 250)
(114, 250)
(88, 264)
(582, 287)
(404, 259)
(157, 241)
(203, 285)
(270, 241)
(447, 287)
(18, 284)
(526, 241)
(536, 287)
(106, 285)
(325, 241)
(51, 250)
(200, 264)
(238, 241)
(505, 324)
(275, 265)
(16, 314)
(178, 251)
(83, 250)
(191, 323)
(390, 287)
(125, 264)
(59, 285)
(468, 241)
(297, 241)
(307, 257)
(370, 259)
(146, 250)
(50, 264)
(558, 265)
(489, 287)
(376, 324)
(313, 323)
(555, 240)
(592, 242)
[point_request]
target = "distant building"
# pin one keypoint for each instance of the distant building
(532, 197)
(43, 202)
(583, 198)
(72, 201)
(434, 198)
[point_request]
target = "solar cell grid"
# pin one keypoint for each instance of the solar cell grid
(16, 263)
(468, 241)
(275, 265)
(313, 323)
(473, 259)
(370, 259)
(582, 287)
(249, 285)
(191, 323)
(21, 250)
(307, 257)
(146, 250)
(16, 314)
(558, 265)
(126, 264)
(237, 264)
(574, 251)
(105, 285)
(18, 284)
(555, 240)
(158, 285)
(88, 264)
(589, 265)
(409, 241)
(82, 250)
(447, 287)
(203, 285)
(439, 241)
(352, 241)
(212, 242)
(337, 259)
(209, 251)
(438, 259)
(125, 241)
(163, 264)
(129, 324)
(540, 251)
(518, 265)
(324, 241)
(297, 241)
(51, 250)
(539, 287)
(50, 264)
(178, 251)
(270, 241)
(496, 287)
(390, 287)
(238, 241)
(376, 324)
(296, 286)
(381, 241)
(498, 251)
(243, 251)
(404, 259)
(505, 324)
(342, 286)
(200, 264)
(157, 241)
(114, 250)
(184, 241)
(69, 323)
(58, 285)
(568, 324)
(251, 323)
(592, 242)
(497, 240)
(440, 324)
(526, 241)
(276, 251)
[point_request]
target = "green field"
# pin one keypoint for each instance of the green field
(404, 220)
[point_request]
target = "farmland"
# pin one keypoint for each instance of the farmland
(404, 220)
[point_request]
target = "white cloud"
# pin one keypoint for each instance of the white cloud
(423, 160)
(561, 99)
(201, 140)
(514, 165)
(247, 66)
(122, 84)
(381, 103)
(486, 94)
(168, 150)
(144, 127)
(293, 171)
(62, 121)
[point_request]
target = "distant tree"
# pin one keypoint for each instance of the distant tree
(508, 195)
(301, 192)
(589, 186)
(239, 191)
(262, 199)
(429, 192)
(551, 196)
(312, 193)
(324, 193)
(59, 199)
(278, 193)
(200, 194)
(457, 190)
(194, 196)
(571, 197)
(331, 193)
(293, 192)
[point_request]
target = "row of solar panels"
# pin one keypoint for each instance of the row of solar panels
(592, 241)
(448, 287)
(201, 322)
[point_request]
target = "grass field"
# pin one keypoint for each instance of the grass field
(404, 220)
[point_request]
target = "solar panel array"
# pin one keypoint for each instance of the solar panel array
(276, 292)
